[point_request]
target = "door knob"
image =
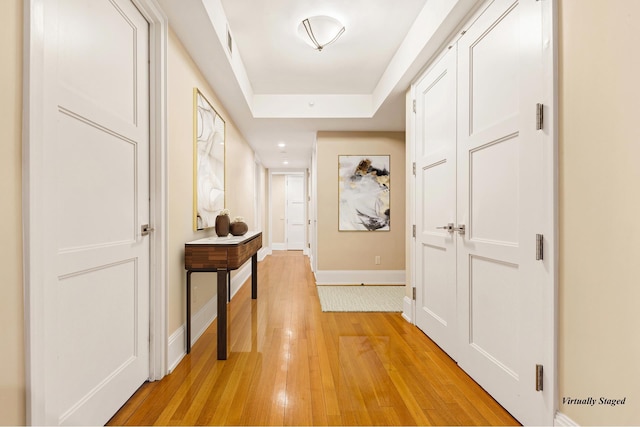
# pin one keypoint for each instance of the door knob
(448, 227)
(460, 229)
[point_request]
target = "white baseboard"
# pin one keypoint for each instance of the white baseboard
(563, 421)
(357, 277)
(201, 320)
(279, 246)
(407, 309)
(176, 349)
(263, 253)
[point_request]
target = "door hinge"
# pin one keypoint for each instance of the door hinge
(414, 294)
(539, 116)
(539, 247)
(414, 230)
(414, 105)
(414, 168)
(539, 383)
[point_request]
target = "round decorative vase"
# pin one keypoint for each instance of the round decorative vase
(239, 228)
(222, 225)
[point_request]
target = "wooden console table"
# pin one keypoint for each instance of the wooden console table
(221, 255)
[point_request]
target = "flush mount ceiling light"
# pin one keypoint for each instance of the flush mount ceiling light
(320, 31)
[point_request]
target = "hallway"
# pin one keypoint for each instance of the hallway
(292, 364)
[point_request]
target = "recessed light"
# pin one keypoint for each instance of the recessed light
(285, 162)
(282, 145)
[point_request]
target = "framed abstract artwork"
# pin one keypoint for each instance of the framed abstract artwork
(209, 162)
(364, 198)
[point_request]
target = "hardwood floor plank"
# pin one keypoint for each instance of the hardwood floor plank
(291, 364)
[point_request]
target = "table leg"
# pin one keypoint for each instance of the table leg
(222, 314)
(254, 276)
(189, 311)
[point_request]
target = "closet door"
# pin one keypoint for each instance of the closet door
(436, 203)
(500, 164)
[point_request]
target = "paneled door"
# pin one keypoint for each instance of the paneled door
(295, 218)
(96, 181)
(501, 169)
(435, 188)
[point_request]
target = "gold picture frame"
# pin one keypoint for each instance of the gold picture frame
(209, 140)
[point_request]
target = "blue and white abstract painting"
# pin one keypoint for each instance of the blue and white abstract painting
(364, 193)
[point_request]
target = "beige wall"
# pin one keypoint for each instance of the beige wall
(599, 347)
(184, 75)
(600, 209)
(278, 205)
(12, 380)
(350, 250)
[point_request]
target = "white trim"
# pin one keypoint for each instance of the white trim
(158, 278)
(550, 68)
(263, 253)
(357, 277)
(176, 348)
(33, 254)
(407, 309)
(564, 421)
(201, 320)
(313, 215)
(279, 246)
(199, 324)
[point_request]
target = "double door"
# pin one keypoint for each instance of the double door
(480, 208)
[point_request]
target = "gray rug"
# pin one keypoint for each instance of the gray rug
(361, 298)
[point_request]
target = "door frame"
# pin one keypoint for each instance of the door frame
(549, 98)
(33, 194)
(285, 172)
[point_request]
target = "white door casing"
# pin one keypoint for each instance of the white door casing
(87, 193)
(294, 214)
(435, 189)
(501, 285)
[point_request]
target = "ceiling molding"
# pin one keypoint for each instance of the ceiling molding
(201, 26)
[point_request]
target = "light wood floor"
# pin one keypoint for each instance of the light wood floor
(292, 364)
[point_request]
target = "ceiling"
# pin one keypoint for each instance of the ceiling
(278, 90)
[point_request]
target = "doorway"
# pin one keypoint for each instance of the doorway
(484, 173)
(288, 210)
(88, 261)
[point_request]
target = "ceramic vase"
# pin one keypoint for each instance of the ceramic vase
(239, 228)
(222, 225)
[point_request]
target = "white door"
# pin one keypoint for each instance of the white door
(500, 201)
(96, 173)
(435, 156)
(295, 227)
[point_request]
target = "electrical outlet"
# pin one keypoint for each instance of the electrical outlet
(377, 260)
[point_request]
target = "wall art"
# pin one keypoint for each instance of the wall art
(364, 198)
(209, 162)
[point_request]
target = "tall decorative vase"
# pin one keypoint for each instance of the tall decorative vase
(222, 225)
